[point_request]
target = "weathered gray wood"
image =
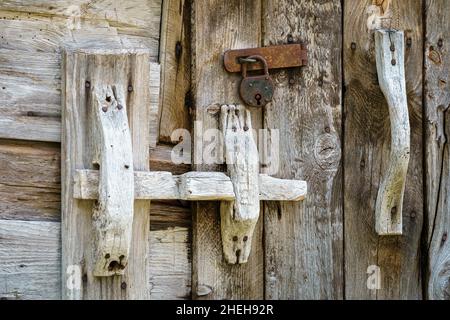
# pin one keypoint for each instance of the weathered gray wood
(32, 35)
(154, 185)
(170, 263)
(29, 181)
(216, 27)
(390, 56)
(174, 55)
(30, 260)
(437, 156)
(238, 218)
(367, 142)
(303, 241)
(83, 71)
(30, 267)
(113, 213)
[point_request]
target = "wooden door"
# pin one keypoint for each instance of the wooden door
(330, 117)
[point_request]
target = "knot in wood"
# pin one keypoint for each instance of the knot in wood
(327, 151)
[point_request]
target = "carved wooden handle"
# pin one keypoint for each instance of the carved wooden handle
(389, 47)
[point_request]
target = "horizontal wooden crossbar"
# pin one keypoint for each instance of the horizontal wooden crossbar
(195, 186)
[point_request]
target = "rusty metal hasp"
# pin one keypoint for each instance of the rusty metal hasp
(277, 57)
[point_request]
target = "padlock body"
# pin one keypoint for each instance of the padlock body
(253, 86)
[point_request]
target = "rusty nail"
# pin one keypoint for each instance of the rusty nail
(105, 109)
(440, 43)
(123, 285)
(119, 106)
(393, 62)
(87, 84)
(392, 48)
(178, 50)
(290, 38)
(353, 46)
(291, 80)
(130, 88)
(235, 238)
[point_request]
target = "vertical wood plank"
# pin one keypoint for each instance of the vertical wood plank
(366, 154)
(218, 26)
(437, 152)
(174, 56)
(82, 71)
(303, 241)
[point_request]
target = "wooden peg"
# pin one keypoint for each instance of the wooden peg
(389, 48)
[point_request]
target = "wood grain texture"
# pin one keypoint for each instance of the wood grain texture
(238, 218)
(30, 267)
(390, 56)
(174, 56)
(30, 263)
(437, 156)
(216, 27)
(366, 156)
(303, 241)
(32, 34)
(30, 178)
(85, 70)
(112, 214)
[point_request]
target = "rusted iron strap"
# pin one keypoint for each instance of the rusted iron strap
(282, 56)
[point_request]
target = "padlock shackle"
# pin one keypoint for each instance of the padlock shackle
(256, 57)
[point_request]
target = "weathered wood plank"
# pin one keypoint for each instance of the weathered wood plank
(437, 156)
(366, 148)
(218, 26)
(174, 56)
(84, 70)
(30, 267)
(30, 178)
(303, 241)
(30, 47)
(170, 264)
(30, 263)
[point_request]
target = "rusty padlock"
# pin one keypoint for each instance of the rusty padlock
(256, 91)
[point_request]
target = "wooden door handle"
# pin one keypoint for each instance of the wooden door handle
(389, 49)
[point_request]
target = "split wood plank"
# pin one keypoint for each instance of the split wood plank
(366, 149)
(84, 70)
(174, 56)
(437, 151)
(303, 241)
(219, 26)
